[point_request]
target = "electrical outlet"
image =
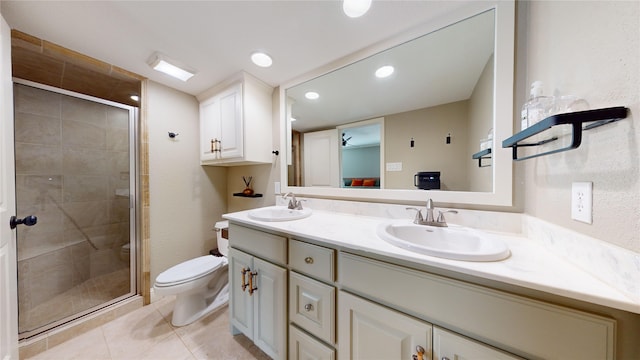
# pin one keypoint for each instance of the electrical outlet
(276, 187)
(582, 201)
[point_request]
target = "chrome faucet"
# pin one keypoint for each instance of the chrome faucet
(293, 203)
(429, 219)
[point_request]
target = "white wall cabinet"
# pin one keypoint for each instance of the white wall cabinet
(258, 293)
(236, 123)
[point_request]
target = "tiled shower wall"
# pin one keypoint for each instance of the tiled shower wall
(72, 172)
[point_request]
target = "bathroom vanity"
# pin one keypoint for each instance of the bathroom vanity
(334, 290)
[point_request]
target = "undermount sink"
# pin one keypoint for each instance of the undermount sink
(453, 242)
(278, 213)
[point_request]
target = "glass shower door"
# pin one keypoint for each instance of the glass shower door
(75, 172)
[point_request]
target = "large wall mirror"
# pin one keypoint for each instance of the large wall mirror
(410, 135)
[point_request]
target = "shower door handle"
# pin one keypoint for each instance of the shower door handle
(28, 221)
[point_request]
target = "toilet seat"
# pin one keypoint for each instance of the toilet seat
(190, 270)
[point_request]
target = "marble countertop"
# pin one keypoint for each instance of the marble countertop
(530, 265)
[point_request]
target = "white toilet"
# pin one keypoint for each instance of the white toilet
(201, 285)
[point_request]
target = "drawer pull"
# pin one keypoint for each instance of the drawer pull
(251, 288)
(308, 307)
(420, 353)
(308, 260)
(244, 271)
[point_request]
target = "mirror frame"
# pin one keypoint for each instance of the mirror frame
(502, 164)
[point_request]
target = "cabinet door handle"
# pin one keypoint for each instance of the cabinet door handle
(308, 260)
(445, 358)
(420, 353)
(308, 307)
(252, 289)
(244, 271)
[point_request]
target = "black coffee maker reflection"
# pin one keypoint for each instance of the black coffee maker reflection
(427, 180)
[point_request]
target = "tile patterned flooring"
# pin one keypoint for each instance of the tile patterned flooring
(93, 292)
(147, 333)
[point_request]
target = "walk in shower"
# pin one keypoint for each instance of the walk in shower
(75, 171)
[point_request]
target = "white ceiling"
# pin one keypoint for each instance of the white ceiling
(438, 68)
(217, 37)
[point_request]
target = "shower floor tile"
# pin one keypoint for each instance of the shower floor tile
(147, 333)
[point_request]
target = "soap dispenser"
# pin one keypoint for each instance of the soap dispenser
(537, 107)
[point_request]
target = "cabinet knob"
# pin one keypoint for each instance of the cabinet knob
(308, 260)
(308, 307)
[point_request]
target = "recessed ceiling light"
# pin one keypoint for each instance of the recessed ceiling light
(355, 8)
(384, 71)
(312, 95)
(161, 63)
(261, 59)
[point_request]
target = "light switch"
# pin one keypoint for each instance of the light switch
(394, 166)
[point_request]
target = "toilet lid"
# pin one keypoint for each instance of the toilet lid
(189, 270)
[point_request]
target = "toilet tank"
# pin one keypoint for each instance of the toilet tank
(222, 237)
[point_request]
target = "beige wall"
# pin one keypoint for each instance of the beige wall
(186, 199)
(429, 128)
(590, 49)
(480, 122)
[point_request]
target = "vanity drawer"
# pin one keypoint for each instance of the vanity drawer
(313, 260)
(303, 346)
(261, 244)
(312, 306)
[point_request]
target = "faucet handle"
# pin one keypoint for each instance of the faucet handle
(418, 219)
(441, 215)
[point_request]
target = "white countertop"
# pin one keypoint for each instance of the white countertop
(530, 265)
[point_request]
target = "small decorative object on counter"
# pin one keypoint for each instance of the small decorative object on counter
(247, 182)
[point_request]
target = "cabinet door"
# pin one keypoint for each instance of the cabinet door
(209, 127)
(231, 123)
(270, 308)
(450, 346)
(240, 303)
(221, 119)
(372, 331)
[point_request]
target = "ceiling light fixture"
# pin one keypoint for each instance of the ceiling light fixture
(161, 63)
(261, 59)
(355, 8)
(312, 95)
(135, 97)
(384, 71)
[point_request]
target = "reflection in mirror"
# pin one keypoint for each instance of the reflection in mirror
(435, 109)
(361, 158)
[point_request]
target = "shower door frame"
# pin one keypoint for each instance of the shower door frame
(134, 206)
